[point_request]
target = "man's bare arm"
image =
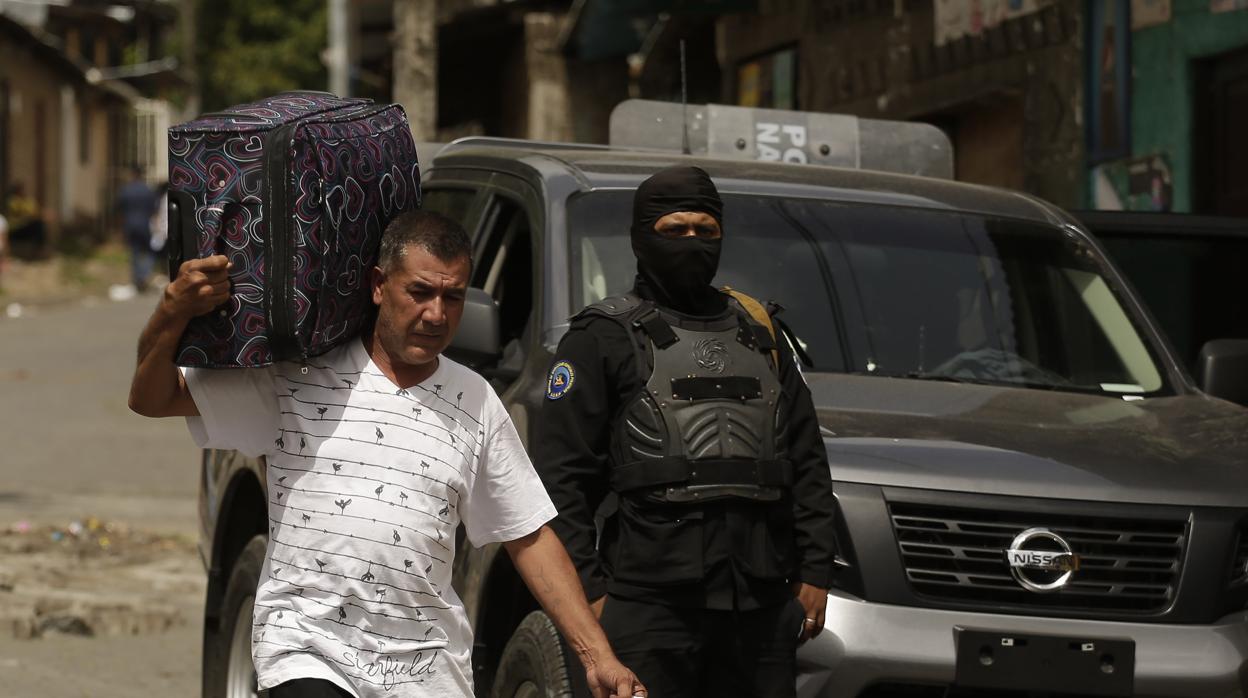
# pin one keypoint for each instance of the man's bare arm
(158, 388)
(543, 563)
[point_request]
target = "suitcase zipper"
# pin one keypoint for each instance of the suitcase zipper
(361, 115)
(305, 117)
(218, 115)
(279, 246)
(277, 295)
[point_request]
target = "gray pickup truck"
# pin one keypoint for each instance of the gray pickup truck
(1036, 497)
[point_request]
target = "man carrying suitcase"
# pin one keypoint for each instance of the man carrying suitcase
(375, 452)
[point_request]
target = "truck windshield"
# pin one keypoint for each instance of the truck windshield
(904, 292)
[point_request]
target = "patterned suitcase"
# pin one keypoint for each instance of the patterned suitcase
(296, 191)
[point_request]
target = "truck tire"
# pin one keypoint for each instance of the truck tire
(532, 665)
(228, 669)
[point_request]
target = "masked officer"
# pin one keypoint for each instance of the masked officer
(683, 454)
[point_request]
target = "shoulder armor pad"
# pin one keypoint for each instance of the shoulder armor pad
(612, 306)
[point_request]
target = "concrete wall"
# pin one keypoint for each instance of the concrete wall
(508, 75)
(34, 136)
(569, 100)
(546, 73)
(1163, 88)
(416, 65)
(92, 181)
(50, 113)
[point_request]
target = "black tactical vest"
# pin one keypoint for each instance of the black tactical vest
(708, 423)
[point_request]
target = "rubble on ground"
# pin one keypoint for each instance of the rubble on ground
(94, 578)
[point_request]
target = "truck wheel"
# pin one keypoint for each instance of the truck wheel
(532, 664)
(228, 669)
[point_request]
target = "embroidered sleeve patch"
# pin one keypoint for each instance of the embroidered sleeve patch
(560, 381)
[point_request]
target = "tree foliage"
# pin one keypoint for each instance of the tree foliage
(246, 49)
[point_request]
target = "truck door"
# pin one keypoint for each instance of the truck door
(505, 265)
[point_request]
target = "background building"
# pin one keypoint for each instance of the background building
(1003, 79)
(1135, 104)
(1188, 108)
(79, 104)
(1105, 103)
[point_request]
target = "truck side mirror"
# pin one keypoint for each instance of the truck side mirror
(1224, 369)
(476, 341)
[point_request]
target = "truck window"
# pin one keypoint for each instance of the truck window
(454, 203)
(504, 269)
(1193, 283)
(906, 292)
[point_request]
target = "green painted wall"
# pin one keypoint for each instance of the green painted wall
(1162, 90)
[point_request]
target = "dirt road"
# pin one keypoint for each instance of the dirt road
(100, 583)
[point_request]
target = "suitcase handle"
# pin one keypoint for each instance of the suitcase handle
(184, 229)
(181, 230)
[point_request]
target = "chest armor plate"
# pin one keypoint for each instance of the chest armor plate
(705, 426)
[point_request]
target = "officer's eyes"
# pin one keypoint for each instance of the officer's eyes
(702, 231)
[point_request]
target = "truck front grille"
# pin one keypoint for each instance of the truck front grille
(958, 554)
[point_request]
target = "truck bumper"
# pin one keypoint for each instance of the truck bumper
(865, 643)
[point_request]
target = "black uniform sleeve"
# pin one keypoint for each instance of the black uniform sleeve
(570, 449)
(814, 506)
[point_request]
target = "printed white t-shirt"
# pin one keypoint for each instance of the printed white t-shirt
(366, 486)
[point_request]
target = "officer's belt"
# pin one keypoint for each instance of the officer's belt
(677, 470)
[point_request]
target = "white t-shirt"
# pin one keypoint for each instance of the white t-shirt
(366, 486)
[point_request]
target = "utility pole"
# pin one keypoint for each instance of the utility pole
(416, 64)
(339, 53)
(189, 66)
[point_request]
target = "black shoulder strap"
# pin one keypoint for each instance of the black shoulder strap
(657, 328)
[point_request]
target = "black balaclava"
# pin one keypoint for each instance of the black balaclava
(677, 273)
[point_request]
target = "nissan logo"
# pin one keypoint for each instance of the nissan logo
(1041, 561)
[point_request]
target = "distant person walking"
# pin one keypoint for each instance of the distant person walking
(4, 247)
(158, 226)
(136, 203)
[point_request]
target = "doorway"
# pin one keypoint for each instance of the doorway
(1221, 140)
(4, 144)
(987, 137)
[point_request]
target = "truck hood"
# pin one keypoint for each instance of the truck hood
(1189, 450)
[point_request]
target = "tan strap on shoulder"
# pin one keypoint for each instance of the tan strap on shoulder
(760, 315)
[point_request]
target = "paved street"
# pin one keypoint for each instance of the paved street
(100, 584)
